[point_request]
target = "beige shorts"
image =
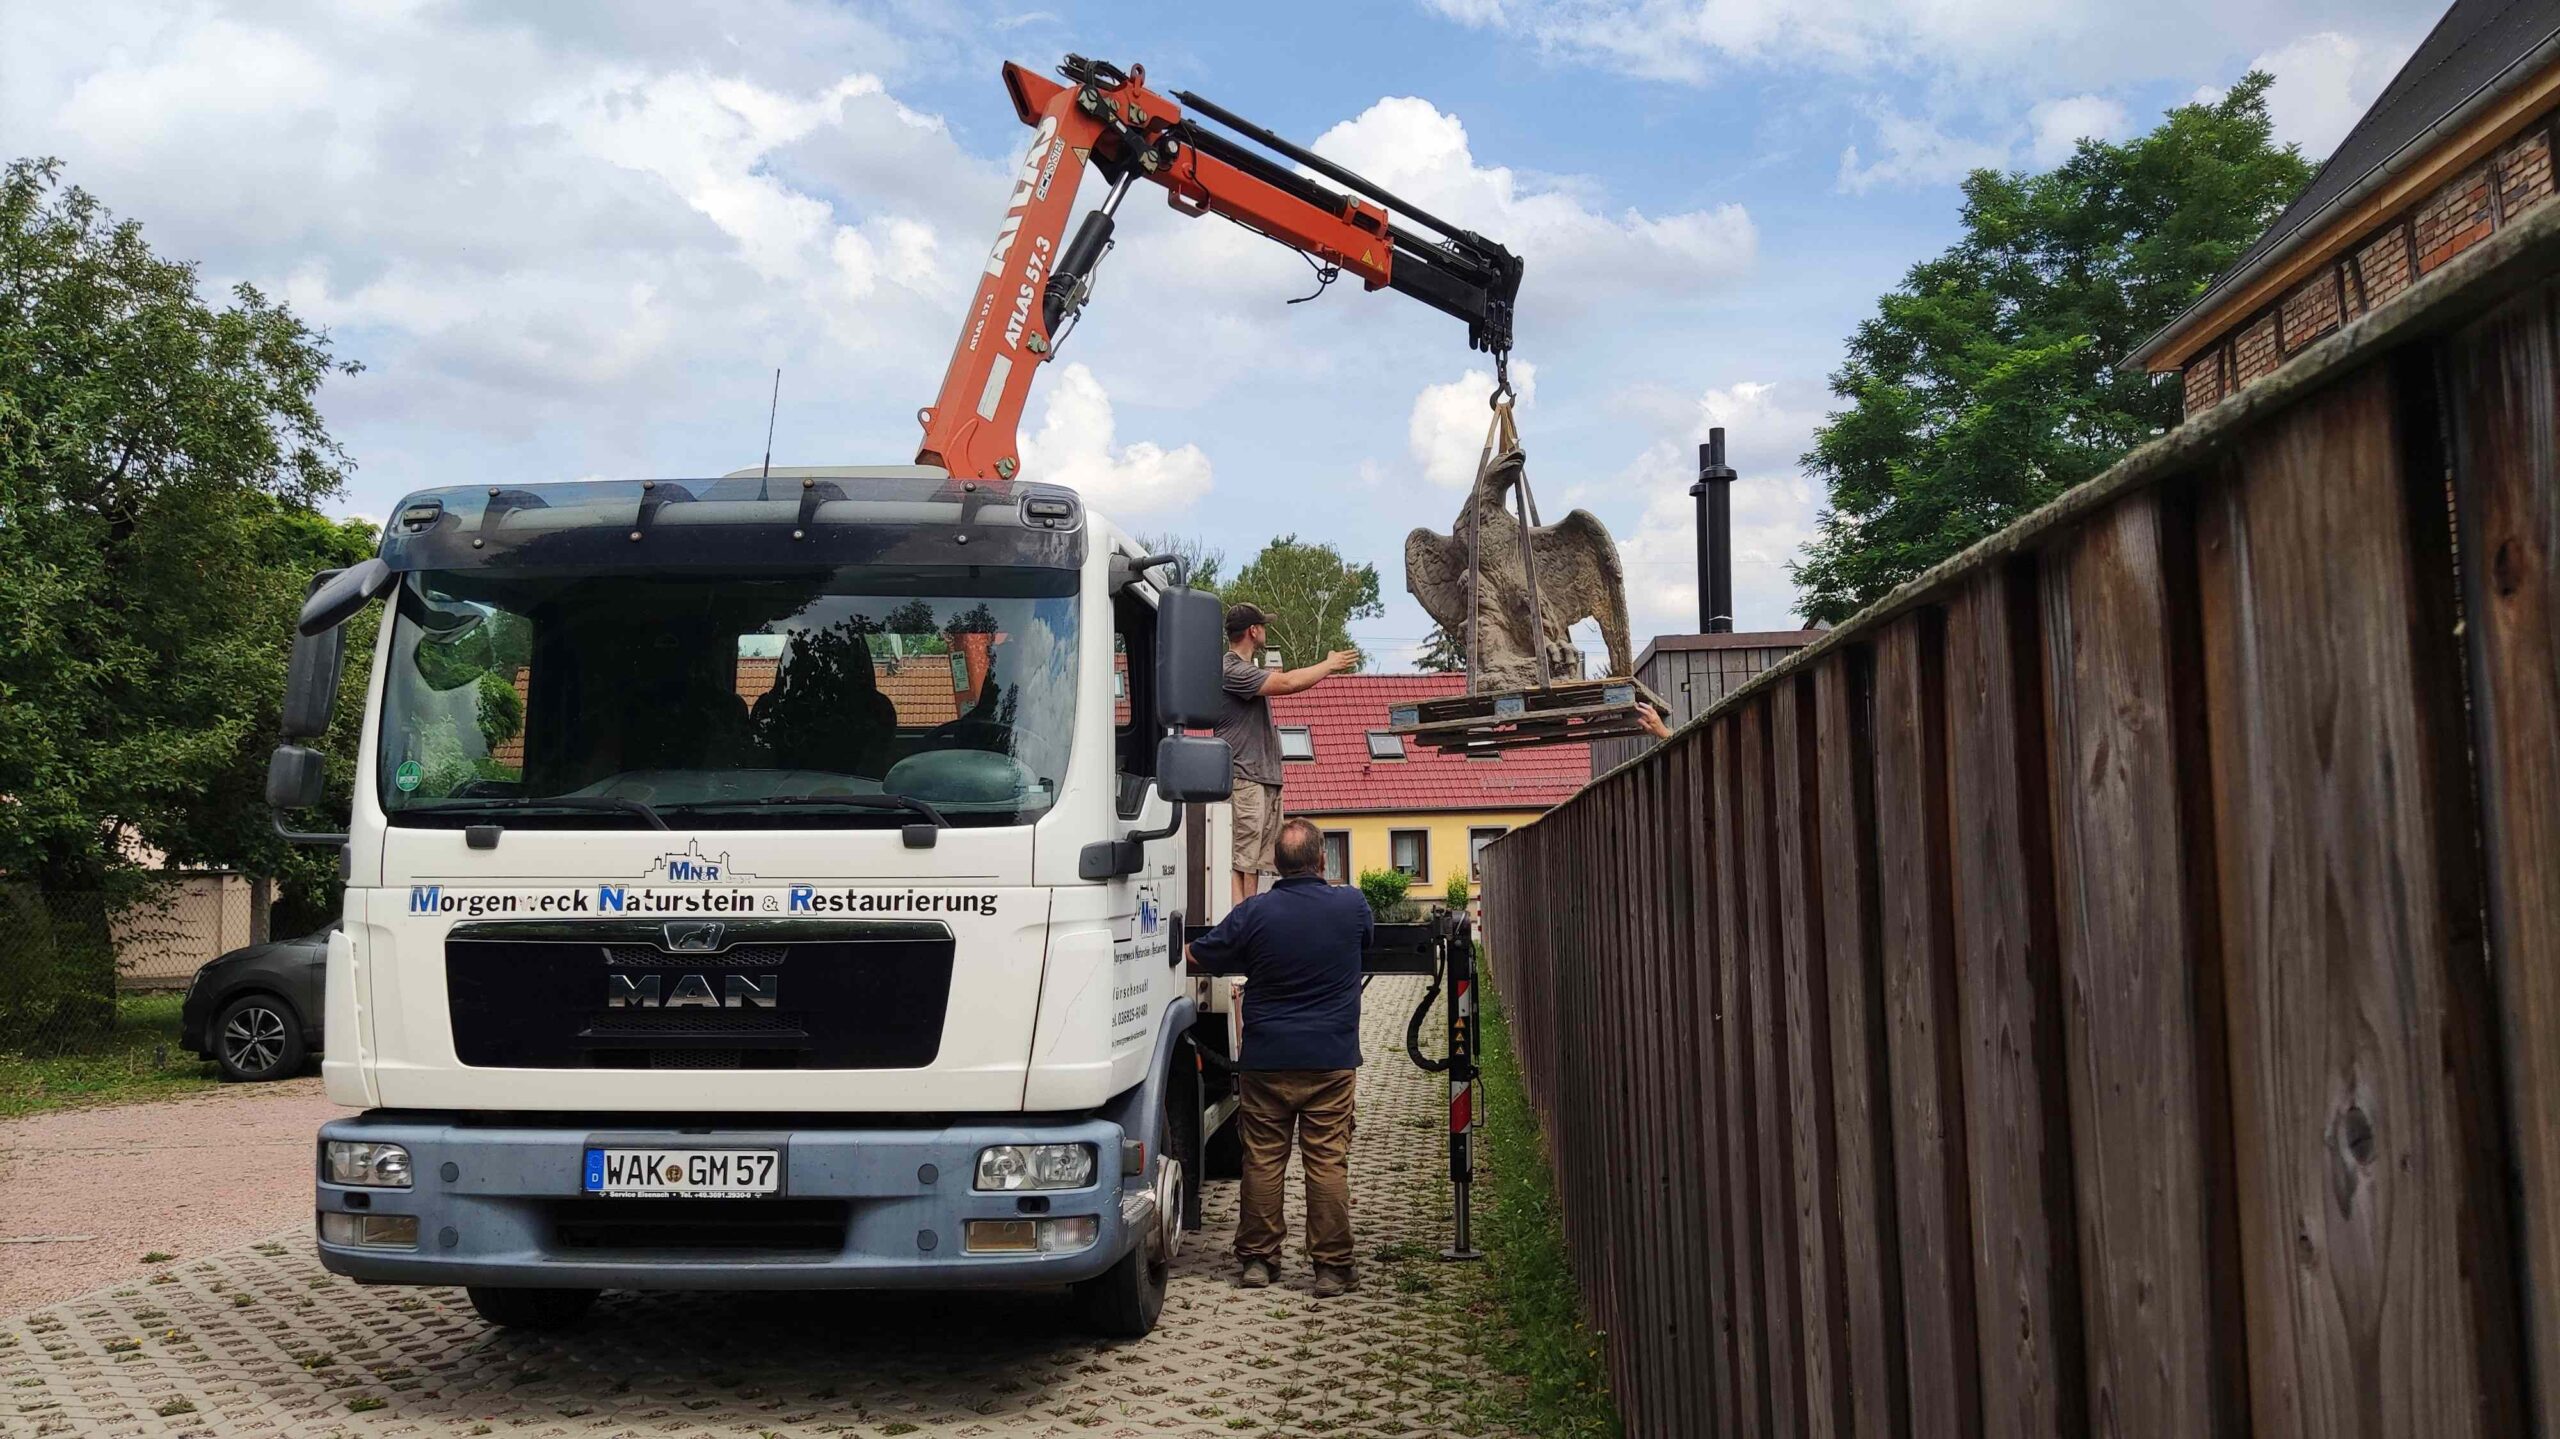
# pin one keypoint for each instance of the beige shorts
(1257, 826)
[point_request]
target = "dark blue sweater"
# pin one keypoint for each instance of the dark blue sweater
(1298, 946)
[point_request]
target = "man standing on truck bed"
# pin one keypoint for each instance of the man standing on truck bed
(1244, 722)
(1298, 949)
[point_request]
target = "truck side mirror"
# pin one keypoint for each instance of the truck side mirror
(336, 599)
(297, 777)
(1191, 770)
(1190, 651)
(311, 683)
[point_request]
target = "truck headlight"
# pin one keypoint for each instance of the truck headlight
(1035, 1166)
(375, 1166)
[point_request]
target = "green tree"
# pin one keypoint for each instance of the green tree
(1990, 380)
(1444, 653)
(160, 457)
(1312, 595)
(1201, 560)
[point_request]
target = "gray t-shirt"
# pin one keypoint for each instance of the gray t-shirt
(1244, 721)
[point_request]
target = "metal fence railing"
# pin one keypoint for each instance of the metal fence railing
(2113, 985)
(73, 966)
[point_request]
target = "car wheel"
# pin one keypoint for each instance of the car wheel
(257, 1037)
(531, 1308)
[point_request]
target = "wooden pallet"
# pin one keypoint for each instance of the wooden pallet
(1569, 712)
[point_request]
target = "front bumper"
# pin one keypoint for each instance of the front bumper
(861, 1208)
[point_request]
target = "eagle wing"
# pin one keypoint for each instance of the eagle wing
(1435, 573)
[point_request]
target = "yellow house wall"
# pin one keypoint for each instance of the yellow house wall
(1448, 833)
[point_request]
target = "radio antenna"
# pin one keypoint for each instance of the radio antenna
(769, 416)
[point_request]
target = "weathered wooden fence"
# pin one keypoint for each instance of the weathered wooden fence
(2112, 986)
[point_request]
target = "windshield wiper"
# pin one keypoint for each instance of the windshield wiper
(856, 801)
(596, 803)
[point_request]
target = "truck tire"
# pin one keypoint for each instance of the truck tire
(1125, 1301)
(531, 1308)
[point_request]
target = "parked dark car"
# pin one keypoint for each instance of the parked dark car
(256, 1010)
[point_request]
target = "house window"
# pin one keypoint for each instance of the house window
(1297, 742)
(1410, 851)
(1383, 745)
(1477, 839)
(1337, 856)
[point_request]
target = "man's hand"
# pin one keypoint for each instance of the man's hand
(1305, 677)
(1651, 719)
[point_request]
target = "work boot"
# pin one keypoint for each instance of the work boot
(1255, 1274)
(1335, 1280)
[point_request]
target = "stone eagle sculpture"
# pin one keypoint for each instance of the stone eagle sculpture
(1578, 579)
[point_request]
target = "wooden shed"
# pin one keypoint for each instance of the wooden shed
(1692, 672)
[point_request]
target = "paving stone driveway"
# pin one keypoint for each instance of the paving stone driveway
(261, 1340)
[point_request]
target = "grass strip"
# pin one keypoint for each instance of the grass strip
(138, 1059)
(1545, 1344)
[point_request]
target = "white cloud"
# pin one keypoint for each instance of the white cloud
(2324, 84)
(2058, 126)
(1469, 12)
(1446, 431)
(1075, 446)
(1412, 148)
(1916, 152)
(559, 226)
(2050, 42)
(1773, 508)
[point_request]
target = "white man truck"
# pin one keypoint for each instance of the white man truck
(766, 882)
(779, 880)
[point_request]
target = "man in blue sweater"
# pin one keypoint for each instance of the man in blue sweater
(1298, 947)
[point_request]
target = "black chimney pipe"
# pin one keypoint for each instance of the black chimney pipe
(1714, 494)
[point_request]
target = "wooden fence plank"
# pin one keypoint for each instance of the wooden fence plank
(1822, 1303)
(1912, 840)
(1698, 1066)
(1870, 1249)
(1765, 1015)
(2504, 375)
(1665, 879)
(2369, 1267)
(2016, 1114)
(2148, 1091)
(1733, 1037)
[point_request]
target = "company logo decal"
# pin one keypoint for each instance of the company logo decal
(692, 866)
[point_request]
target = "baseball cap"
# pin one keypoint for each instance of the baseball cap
(1244, 615)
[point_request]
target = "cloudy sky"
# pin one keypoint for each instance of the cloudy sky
(575, 240)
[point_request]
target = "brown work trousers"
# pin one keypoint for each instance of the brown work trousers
(1318, 1104)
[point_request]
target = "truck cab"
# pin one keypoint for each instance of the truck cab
(771, 881)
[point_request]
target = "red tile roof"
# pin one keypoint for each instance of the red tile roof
(1342, 779)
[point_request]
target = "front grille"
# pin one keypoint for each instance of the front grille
(741, 956)
(604, 994)
(678, 1227)
(697, 1058)
(693, 1024)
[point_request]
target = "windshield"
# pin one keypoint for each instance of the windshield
(775, 699)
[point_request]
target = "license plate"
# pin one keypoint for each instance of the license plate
(684, 1173)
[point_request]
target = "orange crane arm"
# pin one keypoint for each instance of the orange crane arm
(1034, 285)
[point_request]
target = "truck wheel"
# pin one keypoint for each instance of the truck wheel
(531, 1308)
(1125, 1301)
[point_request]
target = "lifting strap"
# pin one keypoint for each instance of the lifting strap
(1501, 443)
